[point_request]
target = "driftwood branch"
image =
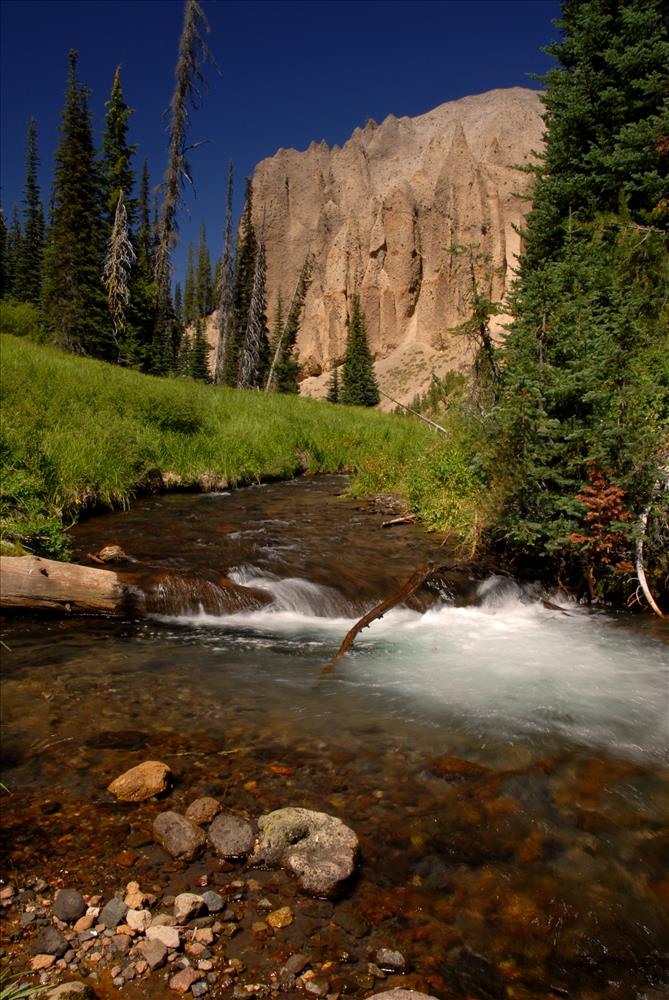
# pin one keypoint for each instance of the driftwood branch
(47, 585)
(426, 420)
(640, 567)
(402, 519)
(412, 584)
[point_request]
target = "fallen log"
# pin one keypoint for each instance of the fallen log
(412, 584)
(47, 585)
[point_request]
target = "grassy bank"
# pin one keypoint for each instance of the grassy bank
(75, 433)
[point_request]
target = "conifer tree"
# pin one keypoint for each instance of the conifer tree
(254, 351)
(190, 298)
(203, 280)
(28, 277)
(73, 302)
(225, 288)
(199, 365)
(4, 248)
(142, 306)
(193, 53)
(185, 353)
(116, 278)
(243, 288)
(585, 373)
(178, 303)
(285, 369)
(118, 175)
(359, 386)
(14, 244)
(333, 385)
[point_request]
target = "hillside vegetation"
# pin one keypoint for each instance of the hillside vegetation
(77, 433)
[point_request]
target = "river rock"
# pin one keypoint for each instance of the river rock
(319, 849)
(154, 952)
(214, 901)
(50, 942)
(179, 836)
(169, 936)
(141, 782)
(138, 920)
(403, 995)
(183, 980)
(188, 905)
(390, 961)
(231, 836)
(70, 991)
(203, 810)
(113, 912)
(69, 905)
(111, 554)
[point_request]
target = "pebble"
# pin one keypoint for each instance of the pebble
(319, 986)
(280, 918)
(6, 894)
(169, 936)
(188, 905)
(178, 836)
(205, 935)
(42, 962)
(199, 989)
(154, 953)
(138, 920)
(182, 981)
(203, 810)
(391, 961)
(134, 897)
(141, 782)
(231, 836)
(85, 923)
(213, 901)
(113, 913)
(69, 905)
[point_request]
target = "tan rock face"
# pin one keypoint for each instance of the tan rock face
(379, 215)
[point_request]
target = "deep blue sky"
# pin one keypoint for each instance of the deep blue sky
(289, 72)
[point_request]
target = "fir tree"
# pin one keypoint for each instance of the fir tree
(284, 370)
(142, 308)
(225, 288)
(333, 385)
(185, 354)
(178, 303)
(14, 246)
(29, 260)
(585, 372)
(73, 302)
(203, 280)
(190, 300)
(254, 352)
(4, 250)
(243, 288)
(118, 175)
(193, 53)
(359, 386)
(199, 365)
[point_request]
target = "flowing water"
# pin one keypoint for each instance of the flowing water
(503, 761)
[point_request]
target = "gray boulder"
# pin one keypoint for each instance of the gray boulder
(113, 912)
(231, 836)
(50, 942)
(318, 849)
(179, 836)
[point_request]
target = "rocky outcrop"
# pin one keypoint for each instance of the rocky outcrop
(379, 214)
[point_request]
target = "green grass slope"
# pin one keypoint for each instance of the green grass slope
(76, 433)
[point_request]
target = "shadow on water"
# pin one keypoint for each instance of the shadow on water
(501, 762)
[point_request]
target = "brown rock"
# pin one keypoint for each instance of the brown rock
(111, 554)
(180, 838)
(203, 810)
(183, 980)
(280, 918)
(42, 962)
(141, 782)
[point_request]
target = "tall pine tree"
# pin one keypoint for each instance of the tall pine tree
(285, 368)
(225, 288)
(245, 266)
(203, 280)
(359, 386)
(254, 351)
(118, 175)
(28, 280)
(73, 301)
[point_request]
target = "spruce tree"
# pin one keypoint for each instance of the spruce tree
(193, 53)
(225, 288)
(142, 307)
(359, 386)
(4, 250)
(190, 298)
(243, 288)
(73, 301)
(333, 385)
(585, 397)
(199, 352)
(178, 303)
(254, 351)
(28, 278)
(14, 247)
(285, 369)
(118, 175)
(203, 279)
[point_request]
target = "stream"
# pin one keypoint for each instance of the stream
(502, 760)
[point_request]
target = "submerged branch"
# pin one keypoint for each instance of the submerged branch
(412, 584)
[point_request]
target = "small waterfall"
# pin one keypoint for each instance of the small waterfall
(177, 595)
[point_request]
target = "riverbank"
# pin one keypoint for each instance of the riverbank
(79, 435)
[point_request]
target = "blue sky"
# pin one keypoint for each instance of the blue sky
(288, 72)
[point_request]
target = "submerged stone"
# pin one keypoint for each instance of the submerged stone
(141, 782)
(179, 836)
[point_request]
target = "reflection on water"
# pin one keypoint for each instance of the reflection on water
(501, 762)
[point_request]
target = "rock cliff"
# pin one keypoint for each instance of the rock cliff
(379, 214)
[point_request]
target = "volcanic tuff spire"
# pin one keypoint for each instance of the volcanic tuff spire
(378, 216)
